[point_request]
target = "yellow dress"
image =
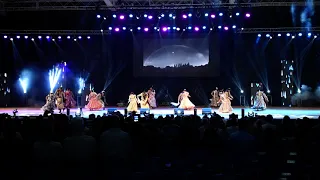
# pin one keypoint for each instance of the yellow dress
(133, 103)
(144, 100)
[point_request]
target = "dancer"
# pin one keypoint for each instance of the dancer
(104, 99)
(50, 103)
(70, 102)
(152, 98)
(143, 100)
(133, 103)
(184, 101)
(260, 101)
(94, 102)
(215, 97)
(225, 100)
(60, 98)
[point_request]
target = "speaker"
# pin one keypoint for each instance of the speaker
(206, 111)
(112, 110)
(144, 111)
(178, 111)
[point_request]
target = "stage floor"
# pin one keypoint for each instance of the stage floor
(277, 112)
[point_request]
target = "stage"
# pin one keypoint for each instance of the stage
(277, 112)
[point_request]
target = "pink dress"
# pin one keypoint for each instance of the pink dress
(70, 102)
(94, 102)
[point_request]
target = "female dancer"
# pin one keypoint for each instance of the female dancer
(225, 100)
(133, 103)
(152, 98)
(94, 102)
(184, 100)
(260, 101)
(50, 103)
(143, 100)
(60, 99)
(70, 102)
(215, 97)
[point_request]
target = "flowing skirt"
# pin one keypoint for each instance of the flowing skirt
(94, 104)
(152, 102)
(70, 103)
(133, 106)
(49, 106)
(186, 104)
(259, 103)
(214, 102)
(225, 107)
(59, 103)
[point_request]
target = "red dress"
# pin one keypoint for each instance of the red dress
(70, 102)
(94, 102)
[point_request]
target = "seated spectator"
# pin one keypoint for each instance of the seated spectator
(268, 124)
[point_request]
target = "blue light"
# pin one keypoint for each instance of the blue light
(24, 82)
(81, 84)
(204, 27)
(220, 14)
(98, 16)
(288, 34)
(145, 15)
(114, 16)
(124, 28)
(162, 15)
(54, 76)
(139, 28)
(190, 15)
(234, 26)
(259, 35)
(189, 27)
(300, 34)
(279, 35)
(237, 14)
(130, 16)
(219, 27)
(206, 14)
(267, 35)
(309, 34)
(170, 15)
(110, 28)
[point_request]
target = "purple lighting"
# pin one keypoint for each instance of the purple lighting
(213, 16)
(184, 16)
(248, 15)
(150, 17)
(117, 29)
(196, 28)
(226, 28)
(146, 29)
(164, 29)
(122, 17)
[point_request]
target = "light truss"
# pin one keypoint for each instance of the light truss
(278, 30)
(47, 5)
(55, 32)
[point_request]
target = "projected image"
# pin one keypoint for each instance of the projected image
(176, 56)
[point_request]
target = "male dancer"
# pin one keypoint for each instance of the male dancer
(104, 99)
(215, 97)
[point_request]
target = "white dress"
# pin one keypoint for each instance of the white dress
(260, 100)
(185, 102)
(133, 103)
(225, 106)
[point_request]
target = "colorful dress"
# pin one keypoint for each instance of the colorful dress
(94, 102)
(70, 102)
(50, 103)
(152, 98)
(225, 106)
(260, 101)
(60, 99)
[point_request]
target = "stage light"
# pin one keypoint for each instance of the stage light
(237, 14)
(131, 30)
(299, 91)
(268, 91)
(164, 29)
(121, 17)
(219, 27)
(53, 39)
(190, 15)
(241, 91)
(242, 28)
(279, 35)
(24, 84)
(68, 37)
(79, 37)
(146, 29)
(155, 28)
(270, 37)
(196, 29)
(139, 28)
(88, 37)
(220, 14)
(48, 37)
(184, 16)
(18, 37)
(81, 84)
(213, 16)
(130, 16)
(178, 111)
(300, 34)
(114, 16)
(178, 29)
(173, 17)
(11, 39)
(293, 37)
(288, 34)
(259, 35)
(110, 28)
(54, 76)
(309, 34)
(117, 29)
(210, 29)
(174, 28)
(150, 17)
(32, 39)
(206, 14)
(226, 28)
(26, 37)
(98, 16)
(170, 15)
(59, 37)
(189, 27)
(39, 37)
(145, 16)
(204, 27)
(5, 37)
(124, 28)
(315, 36)
(162, 15)
(248, 15)
(234, 26)
(267, 35)
(169, 28)
(104, 18)
(74, 39)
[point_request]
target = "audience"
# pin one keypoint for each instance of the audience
(116, 147)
